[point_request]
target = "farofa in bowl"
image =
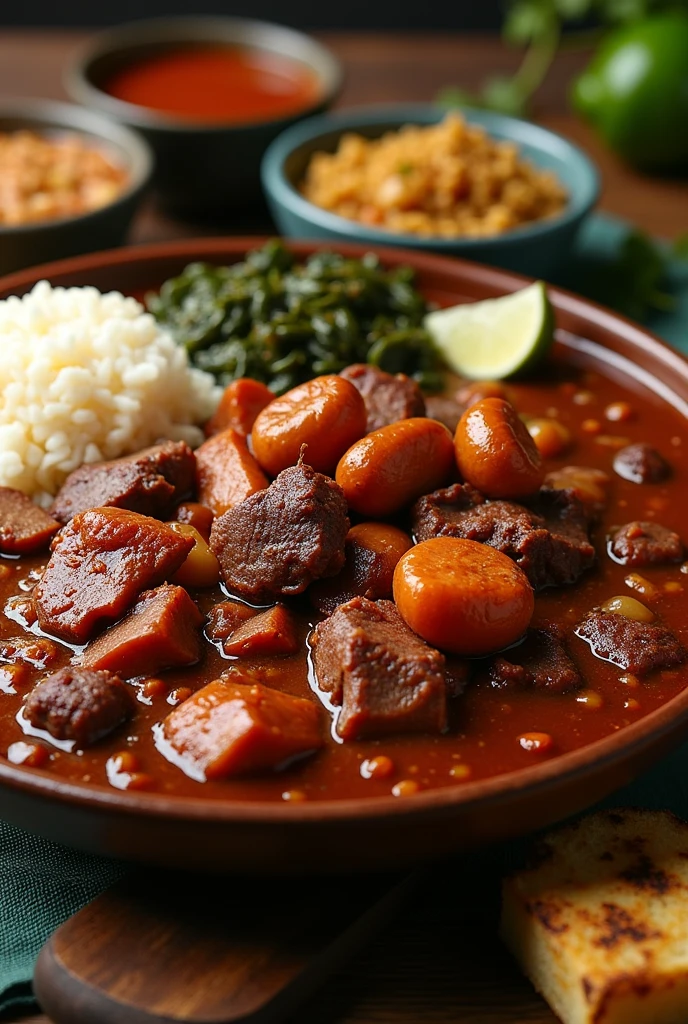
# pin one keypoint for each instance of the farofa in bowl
(449, 180)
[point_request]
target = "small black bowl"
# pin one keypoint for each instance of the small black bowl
(24, 245)
(202, 169)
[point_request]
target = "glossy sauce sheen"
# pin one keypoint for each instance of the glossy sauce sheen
(217, 84)
(484, 724)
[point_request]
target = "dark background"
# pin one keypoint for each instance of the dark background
(468, 15)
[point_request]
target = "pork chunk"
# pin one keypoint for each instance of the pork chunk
(24, 527)
(541, 662)
(226, 472)
(641, 464)
(637, 647)
(150, 483)
(225, 617)
(102, 560)
(645, 543)
(79, 704)
(388, 397)
(548, 538)
(386, 679)
(161, 631)
(230, 728)
(282, 538)
(272, 632)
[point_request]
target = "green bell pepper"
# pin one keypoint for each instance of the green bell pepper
(635, 92)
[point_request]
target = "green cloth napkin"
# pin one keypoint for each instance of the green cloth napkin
(42, 883)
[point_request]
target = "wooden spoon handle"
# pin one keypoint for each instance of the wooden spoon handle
(202, 949)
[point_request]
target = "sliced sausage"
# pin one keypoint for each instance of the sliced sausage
(390, 468)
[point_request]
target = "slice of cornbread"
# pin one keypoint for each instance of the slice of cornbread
(599, 920)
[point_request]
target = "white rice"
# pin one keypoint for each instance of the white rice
(86, 377)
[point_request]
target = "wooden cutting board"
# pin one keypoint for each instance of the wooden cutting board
(207, 950)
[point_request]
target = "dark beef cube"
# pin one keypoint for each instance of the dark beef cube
(150, 483)
(548, 540)
(272, 632)
(227, 616)
(32, 650)
(644, 543)
(281, 539)
(79, 704)
(388, 398)
(366, 573)
(540, 663)
(444, 408)
(386, 679)
(24, 527)
(567, 552)
(637, 647)
(641, 464)
(102, 560)
(161, 631)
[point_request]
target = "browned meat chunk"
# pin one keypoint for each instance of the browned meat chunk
(227, 616)
(270, 632)
(229, 728)
(444, 408)
(386, 679)
(78, 704)
(372, 551)
(388, 398)
(641, 464)
(226, 472)
(547, 539)
(24, 527)
(540, 662)
(161, 631)
(102, 560)
(281, 539)
(644, 543)
(33, 650)
(638, 647)
(150, 483)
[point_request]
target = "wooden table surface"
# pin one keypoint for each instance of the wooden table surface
(441, 962)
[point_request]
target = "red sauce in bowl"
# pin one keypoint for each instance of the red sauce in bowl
(217, 84)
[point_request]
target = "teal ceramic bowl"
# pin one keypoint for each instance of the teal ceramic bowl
(539, 249)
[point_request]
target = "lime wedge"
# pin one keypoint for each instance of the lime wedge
(496, 338)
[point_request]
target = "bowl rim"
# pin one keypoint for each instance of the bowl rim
(187, 30)
(567, 767)
(280, 190)
(71, 118)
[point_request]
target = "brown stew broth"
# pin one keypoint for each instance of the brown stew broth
(485, 724)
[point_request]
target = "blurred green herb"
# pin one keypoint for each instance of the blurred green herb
(283, 322)
(537, 25)
(637, 281)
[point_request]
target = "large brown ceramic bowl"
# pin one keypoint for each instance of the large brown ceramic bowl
(373, 833)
